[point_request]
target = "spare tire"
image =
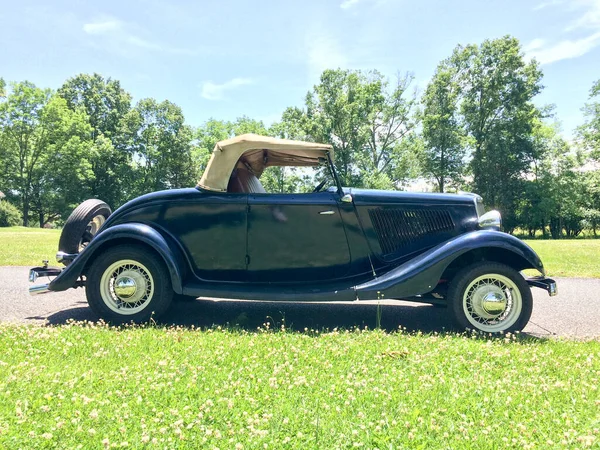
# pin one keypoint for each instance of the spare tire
(82, 225)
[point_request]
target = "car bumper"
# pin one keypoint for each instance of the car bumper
(544, 283)
(37, 272)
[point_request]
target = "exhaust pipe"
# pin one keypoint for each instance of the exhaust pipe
(39, 289)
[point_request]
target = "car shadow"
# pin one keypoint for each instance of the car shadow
(250, 315)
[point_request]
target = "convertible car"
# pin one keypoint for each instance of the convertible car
(228, 238)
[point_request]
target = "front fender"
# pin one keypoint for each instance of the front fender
(131, 232)
(421, 274)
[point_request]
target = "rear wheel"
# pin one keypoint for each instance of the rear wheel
(128, 284)
(82, 225)
(490, 297)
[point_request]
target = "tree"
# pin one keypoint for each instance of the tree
(363, 119)
(107, 105)
(589, 132)
(444, 150)
(162, 147)
(104, 101)
(42, 142)
(497, 88)
(551, 189)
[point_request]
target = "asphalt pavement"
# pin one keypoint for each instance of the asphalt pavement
(575, 312)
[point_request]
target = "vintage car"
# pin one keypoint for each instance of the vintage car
(228, 238)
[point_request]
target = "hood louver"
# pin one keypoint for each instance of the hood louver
(398, 228)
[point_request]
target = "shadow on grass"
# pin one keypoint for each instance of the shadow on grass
(296, 316)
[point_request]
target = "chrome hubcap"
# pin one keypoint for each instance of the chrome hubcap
(126, 287)
(492, 303)
(488, 301)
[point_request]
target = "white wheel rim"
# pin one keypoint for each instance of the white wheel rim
(492, 303)
(91, 230)
(126, 287)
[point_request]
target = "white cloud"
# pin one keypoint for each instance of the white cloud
(536, 44)
(101, 27)
(547, 4)
(590, 19)
(214, 91)
(346, 4)
(119, 37)
(323, 52)
(566, 49)
(586, 28)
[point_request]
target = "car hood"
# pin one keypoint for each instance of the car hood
(421, 198)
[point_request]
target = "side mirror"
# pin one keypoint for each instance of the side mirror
(347, 198)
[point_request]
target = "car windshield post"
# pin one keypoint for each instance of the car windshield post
(334, 175)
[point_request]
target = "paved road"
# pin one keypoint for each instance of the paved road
(575, 312)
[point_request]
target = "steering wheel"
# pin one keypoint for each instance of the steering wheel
(320, 186)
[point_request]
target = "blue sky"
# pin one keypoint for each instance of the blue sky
(231, 58)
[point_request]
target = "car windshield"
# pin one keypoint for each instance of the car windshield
(297, 180)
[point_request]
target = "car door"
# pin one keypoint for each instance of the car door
(211, 229)
(296, 238)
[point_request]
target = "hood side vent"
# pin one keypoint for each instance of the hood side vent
(398, 228)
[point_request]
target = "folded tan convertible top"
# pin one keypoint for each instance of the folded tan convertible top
(256, 153)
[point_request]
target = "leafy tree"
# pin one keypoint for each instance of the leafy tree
(589, 132)
(497, 88)
(107, 105)
(552, 168)
(363, 119)
(10, 216)
(42, 141)
(104, 101)
(2, 88)
(591, 207)
(444, 153)
(162, 146)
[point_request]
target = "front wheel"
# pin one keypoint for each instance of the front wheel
(128, 284)
(490, 297)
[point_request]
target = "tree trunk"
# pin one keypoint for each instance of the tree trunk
(25, 211)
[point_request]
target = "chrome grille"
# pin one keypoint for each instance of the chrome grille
(398, 228)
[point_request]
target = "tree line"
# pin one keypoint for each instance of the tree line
(474, 127)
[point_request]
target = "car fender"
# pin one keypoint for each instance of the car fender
(131, 233)
(422, 273)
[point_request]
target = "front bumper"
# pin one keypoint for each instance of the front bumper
(544, 283)
(44, 271)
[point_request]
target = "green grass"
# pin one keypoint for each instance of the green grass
(569, 258)
(21, 246)
(562, 258)
(88, 386)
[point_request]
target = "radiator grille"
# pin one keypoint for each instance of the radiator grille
(397, 228)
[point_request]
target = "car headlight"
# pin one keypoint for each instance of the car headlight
(491, 220)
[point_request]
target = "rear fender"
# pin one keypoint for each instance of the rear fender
(422, 274)
(130, 233)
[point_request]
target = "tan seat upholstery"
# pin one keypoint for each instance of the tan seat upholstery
(242, 180)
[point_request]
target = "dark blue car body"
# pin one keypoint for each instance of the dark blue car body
(307, 246)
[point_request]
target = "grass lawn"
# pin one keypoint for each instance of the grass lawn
(20, 246)
(563, 258)
(91, 387)
(569, 257)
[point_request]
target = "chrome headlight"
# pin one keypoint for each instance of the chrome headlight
(491, 220)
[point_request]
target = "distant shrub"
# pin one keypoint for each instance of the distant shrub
(10, 216)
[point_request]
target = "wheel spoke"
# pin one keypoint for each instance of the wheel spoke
(127, 287)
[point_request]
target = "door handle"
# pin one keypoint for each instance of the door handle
(327, 213)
